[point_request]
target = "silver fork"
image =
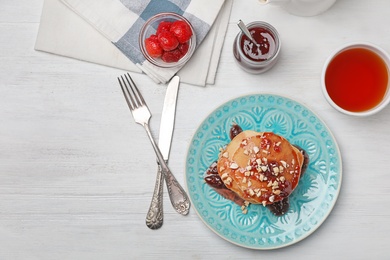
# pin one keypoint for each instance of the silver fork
(142, 115)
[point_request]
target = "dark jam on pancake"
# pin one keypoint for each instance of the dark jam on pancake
(213, 179)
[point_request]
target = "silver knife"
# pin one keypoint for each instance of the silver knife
(177, 195)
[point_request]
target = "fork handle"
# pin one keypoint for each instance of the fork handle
(155, 215)
(177, 194)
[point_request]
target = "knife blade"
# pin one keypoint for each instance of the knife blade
(155, 215)
(168, 117)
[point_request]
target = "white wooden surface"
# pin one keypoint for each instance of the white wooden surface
(77, 174)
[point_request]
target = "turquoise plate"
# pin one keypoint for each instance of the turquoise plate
(310, 203)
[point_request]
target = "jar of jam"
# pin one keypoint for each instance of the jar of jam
(260, 56)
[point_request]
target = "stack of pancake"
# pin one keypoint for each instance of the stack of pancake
(260, 167)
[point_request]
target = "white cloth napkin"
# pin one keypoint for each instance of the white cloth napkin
(86, 29)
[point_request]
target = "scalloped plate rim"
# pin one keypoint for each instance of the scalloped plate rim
(307, 234)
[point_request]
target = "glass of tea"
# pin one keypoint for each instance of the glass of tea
(355, 79)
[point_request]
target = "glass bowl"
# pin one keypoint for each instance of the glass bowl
(150, 27)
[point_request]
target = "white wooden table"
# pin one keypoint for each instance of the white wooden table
(77, 174)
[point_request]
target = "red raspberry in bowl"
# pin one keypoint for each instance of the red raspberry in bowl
(181, 30)
(163, 26)
(167, 40)
(183, 47)
(153, 46)
(172, 56)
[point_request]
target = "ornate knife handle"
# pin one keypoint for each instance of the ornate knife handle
(155, 216)
(177, 194)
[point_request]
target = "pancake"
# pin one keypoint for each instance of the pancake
(260, 167)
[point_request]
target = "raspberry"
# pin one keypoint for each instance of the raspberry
(153, 47)
(168, 41)
(181, 30)
(183, 47)
(163, 26)
(172, 56)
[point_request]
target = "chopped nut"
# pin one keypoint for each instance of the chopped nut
(256, 149)
(264, 203)
(271, 198)
(249, 167)
(278, 143)
(245, 211)
(233, 166)
(293, 162)
(246, 203)
(269, 184)
(224, 175)
(276, 192)
(221, 168)
(249, 183)
(275, 170)
(258, 161)
(282, 178)
(261, 177)
(284, 164)
(227, 181)
(247, 173)
(225, 154)
(244, 180)
(264, 168)
(281, 168)
(246, 152)
(265, 160)
(251, 192)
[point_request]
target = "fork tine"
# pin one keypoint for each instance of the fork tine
(126, 93)
(138, 96)
(130, 88)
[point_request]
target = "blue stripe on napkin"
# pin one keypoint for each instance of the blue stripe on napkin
(158, 6)
(146, 9)
(128, 43)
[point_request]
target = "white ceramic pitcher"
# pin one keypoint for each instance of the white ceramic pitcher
(302, 7)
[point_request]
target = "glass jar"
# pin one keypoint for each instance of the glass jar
(260, 57)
